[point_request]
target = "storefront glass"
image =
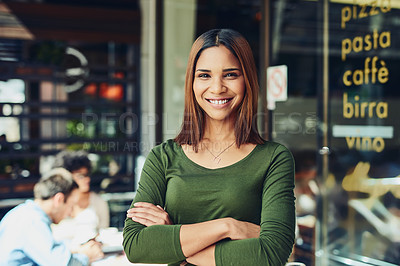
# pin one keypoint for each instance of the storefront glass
(340, 122)
(295, 47)
(69, 81)
(362, 189)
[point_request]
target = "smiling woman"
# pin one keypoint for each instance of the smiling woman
(238, 61)
(218, 194)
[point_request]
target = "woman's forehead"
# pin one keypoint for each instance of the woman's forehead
(217, 55)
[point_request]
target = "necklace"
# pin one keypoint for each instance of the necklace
(217, 158)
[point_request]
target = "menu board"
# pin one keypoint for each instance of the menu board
(365, 44)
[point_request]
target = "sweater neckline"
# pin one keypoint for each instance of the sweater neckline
(220, 168)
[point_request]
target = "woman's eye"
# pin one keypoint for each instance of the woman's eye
(231, 75)
(204, 75)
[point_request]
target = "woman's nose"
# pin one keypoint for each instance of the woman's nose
(217, 86)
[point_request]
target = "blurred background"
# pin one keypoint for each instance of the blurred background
(107, 77)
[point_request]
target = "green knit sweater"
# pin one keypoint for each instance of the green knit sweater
(257, 189)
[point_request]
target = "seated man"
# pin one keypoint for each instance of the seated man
(25, 234)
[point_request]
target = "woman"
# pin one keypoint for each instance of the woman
(91, 212)
(218, 194)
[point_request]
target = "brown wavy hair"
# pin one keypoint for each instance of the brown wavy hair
(192, 130)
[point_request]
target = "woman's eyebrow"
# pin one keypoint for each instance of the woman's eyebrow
(225, 70)
(203, 70)
(231, 69)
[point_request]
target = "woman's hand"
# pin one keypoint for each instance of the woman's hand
(148, 214)
(200, 236)
(200, 253)
(243, 230)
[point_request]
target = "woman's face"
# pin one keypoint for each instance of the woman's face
(82, 178)
(218, 83)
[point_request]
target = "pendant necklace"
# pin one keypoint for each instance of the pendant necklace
(217, 158)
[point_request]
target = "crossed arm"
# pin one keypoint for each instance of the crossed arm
(197, 240)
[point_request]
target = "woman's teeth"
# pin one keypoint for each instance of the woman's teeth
(218, 101)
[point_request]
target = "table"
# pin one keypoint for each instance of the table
(119, 260)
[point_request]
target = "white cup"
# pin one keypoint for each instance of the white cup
(295, 264)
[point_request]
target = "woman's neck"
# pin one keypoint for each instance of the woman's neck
(218, 131)
(83, 202)
(84, 195)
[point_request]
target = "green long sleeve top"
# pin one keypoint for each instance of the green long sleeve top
(257, 189)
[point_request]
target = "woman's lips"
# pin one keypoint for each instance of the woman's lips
(219, 101)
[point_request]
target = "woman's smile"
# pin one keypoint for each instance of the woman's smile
(219, 103)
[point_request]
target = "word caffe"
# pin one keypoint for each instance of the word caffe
(377, 72)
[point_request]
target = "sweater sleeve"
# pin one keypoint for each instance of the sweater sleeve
(276, 240)
(157, 243)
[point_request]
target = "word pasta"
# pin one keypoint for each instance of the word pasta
(367, 43)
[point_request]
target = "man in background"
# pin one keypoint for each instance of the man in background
(25, 233)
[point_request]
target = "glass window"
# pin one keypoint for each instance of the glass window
(362, 198)
(295, 48)
(340, 122)
(69, 82)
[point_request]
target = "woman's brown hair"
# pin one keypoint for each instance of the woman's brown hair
(193, 121)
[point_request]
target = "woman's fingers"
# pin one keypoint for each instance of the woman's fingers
(144, 221)
(143, 217)
(145, 207)
(148, 214)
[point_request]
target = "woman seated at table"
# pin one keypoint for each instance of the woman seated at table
(91, 213)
